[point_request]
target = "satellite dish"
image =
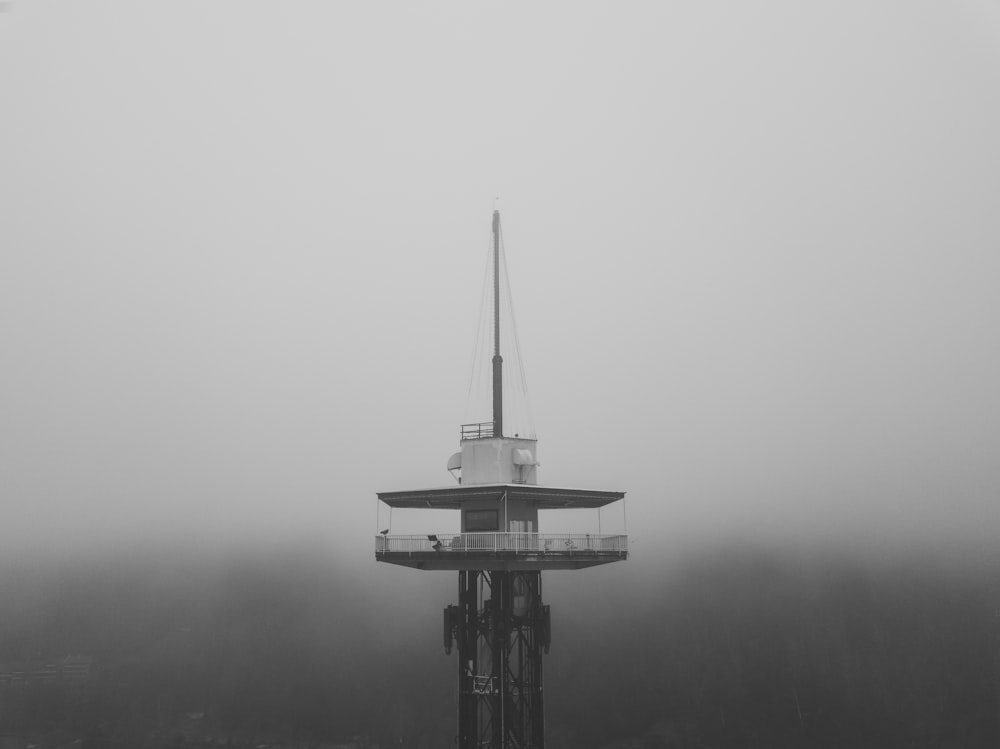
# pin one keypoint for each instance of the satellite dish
(455, 464)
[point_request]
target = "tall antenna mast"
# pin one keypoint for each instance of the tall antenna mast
(497, 359)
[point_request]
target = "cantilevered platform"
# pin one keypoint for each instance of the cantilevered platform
(540, 497)
(492, 547)
(501, 551)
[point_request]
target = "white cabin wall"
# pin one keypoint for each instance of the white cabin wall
(491, 461)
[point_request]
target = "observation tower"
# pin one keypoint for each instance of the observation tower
(500, 625)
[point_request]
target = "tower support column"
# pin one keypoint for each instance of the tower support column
(502, 629)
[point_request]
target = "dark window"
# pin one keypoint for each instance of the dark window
(481, 520)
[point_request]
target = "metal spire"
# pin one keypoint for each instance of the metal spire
(497, 359)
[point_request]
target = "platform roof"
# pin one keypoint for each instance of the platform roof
(543, 497)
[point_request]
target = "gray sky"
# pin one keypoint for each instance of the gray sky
(753, 247)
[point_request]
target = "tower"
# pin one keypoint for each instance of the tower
(500, 626)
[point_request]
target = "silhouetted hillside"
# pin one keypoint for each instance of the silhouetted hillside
(725, 650)
(746, 649)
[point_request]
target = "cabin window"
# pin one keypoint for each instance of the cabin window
(481, 520)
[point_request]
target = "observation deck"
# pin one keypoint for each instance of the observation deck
(497, 530)
(501, 551)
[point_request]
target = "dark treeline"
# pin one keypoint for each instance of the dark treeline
(744, 648)
(256, 648)
(733, 649)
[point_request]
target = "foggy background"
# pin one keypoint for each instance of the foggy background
(753, 253)
(752, 247)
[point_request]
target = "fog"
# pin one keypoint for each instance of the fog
(752, 252)
(752, 249)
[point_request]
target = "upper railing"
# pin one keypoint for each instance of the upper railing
(490, 542)
(478, 431)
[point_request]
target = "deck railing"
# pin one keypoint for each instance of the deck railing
(479, 431)
(534, 543)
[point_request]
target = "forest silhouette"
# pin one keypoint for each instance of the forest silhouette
(722, 648)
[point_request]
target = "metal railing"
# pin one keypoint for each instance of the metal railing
(492, 542)
(478, 431)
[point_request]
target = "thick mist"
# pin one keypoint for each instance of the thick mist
(751, 251)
